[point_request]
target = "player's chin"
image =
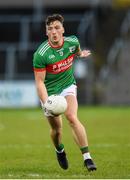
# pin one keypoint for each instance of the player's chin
(55, 41)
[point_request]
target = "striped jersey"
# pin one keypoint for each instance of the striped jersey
(57, 62)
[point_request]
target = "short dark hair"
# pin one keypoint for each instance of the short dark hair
(54, 17)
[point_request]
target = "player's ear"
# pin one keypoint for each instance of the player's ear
(63, 30)
(46, 32)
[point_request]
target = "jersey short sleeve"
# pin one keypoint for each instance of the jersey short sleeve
(38, 62)
(74, 40)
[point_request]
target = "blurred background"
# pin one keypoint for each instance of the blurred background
(103, 26)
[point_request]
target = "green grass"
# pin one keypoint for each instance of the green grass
(26, 150)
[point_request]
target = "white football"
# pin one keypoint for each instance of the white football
(56, 104)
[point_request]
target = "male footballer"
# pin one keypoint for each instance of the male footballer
(53, 71)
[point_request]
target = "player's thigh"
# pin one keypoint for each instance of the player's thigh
(55, 122)
(72, 105)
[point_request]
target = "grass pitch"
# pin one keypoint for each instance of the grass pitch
(26, 150)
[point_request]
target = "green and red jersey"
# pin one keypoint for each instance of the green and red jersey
(57, 62)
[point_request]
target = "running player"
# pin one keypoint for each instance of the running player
(53, 72)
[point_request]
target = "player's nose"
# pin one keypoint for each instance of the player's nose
(53, 31)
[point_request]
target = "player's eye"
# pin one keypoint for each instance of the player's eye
(57, 27)
(49, 28)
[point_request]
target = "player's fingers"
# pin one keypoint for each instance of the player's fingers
(88, 53)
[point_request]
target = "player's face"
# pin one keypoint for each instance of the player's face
(55, 33)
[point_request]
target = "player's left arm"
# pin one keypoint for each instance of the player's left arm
(83, 53)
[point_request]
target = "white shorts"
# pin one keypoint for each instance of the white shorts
(71, 90)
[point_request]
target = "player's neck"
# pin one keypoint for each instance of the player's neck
(57, 44)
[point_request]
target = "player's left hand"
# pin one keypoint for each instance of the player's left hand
(85, 53)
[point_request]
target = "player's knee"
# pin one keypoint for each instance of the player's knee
(71, 118)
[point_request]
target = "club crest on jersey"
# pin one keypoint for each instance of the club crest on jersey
(72, 49)
(51, 56)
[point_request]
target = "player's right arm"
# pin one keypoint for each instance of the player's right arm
(41, 88)
(39, 74)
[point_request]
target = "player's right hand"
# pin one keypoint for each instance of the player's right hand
(47, 112)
